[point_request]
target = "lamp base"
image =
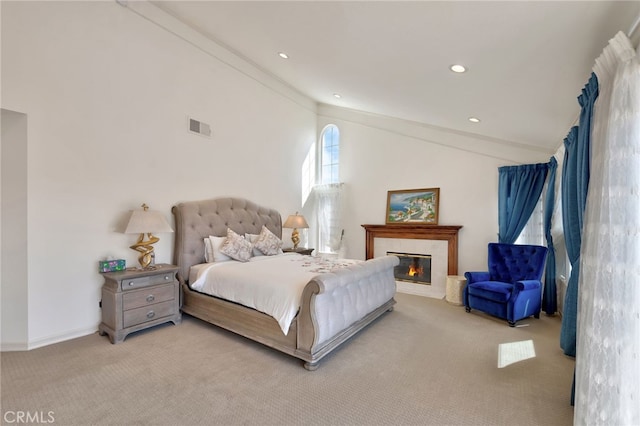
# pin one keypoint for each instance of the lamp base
(146, 250)
(295, 237)
(140, 268)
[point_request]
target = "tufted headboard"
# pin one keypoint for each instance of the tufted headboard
(196, 220)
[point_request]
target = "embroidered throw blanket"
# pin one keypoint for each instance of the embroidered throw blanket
(270, 284)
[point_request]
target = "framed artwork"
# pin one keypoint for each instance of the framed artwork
(413, 206)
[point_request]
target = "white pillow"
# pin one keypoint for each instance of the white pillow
(236, 247)
(208, 251)
(212, 249)
(268, 243)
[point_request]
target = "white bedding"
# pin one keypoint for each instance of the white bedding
(270, 284)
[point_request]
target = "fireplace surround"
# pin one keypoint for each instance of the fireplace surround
(441, 242)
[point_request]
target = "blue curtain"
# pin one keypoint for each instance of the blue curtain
(519, 188)
(549, 297)
(575, 182)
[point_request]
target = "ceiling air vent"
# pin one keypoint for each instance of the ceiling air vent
(199, 127)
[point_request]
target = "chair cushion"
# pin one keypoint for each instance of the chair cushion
(491, 290)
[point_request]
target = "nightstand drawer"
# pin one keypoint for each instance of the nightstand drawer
(134, 283)
(139, 298)
(148, 313)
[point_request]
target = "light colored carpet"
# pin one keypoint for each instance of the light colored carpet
(425, 363)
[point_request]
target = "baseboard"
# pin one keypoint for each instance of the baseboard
(46, 341)
(13, 347)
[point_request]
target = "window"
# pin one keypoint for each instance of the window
(328, 192)
(329, 155)
(533, 232)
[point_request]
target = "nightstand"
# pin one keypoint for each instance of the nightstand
(299, 250)
(133, 300)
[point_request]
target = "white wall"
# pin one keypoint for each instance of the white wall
(106, 91)
(378, 154)
(107, 94)
(14, 321)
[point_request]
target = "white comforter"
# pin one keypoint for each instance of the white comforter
(270, 284)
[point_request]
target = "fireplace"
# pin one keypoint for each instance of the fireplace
(413, 268)
(440, 242)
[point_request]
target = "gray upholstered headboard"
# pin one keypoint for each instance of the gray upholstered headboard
(196, 220)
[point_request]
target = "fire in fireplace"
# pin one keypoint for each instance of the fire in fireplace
(413, 268)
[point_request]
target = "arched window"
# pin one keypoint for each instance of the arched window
(322, 191)
(328, 192)
(329, 155)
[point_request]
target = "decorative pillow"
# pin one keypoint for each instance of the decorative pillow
(268, 243)
(236, 247)
(214, 254)
(252, 238)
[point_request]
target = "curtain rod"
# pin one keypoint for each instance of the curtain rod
(632, 29)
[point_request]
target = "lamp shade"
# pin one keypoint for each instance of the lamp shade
(295, 221)
(147, 221)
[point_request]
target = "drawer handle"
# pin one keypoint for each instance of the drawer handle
(131, 283)
(151, 314)
(151, 298)
(166, 277)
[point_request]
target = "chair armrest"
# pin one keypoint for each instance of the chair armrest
(527, 285)
(474, 277)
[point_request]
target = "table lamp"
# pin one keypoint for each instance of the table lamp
(148, 222)
(295, 221)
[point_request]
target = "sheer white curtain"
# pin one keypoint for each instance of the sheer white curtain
(563, 266)
(533, 231)
(329, 206)
(608, 332)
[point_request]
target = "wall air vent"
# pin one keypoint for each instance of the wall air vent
(199, 127)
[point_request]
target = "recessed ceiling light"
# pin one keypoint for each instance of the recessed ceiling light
(457, 68)
(283, 55)
(337, 95)
(474, 119)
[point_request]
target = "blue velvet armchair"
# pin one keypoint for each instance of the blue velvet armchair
(512, 287)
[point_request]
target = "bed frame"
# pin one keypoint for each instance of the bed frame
(334, 306)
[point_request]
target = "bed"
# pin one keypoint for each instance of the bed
(333, 306)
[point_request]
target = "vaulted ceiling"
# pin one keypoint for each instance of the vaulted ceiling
(526, 61)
